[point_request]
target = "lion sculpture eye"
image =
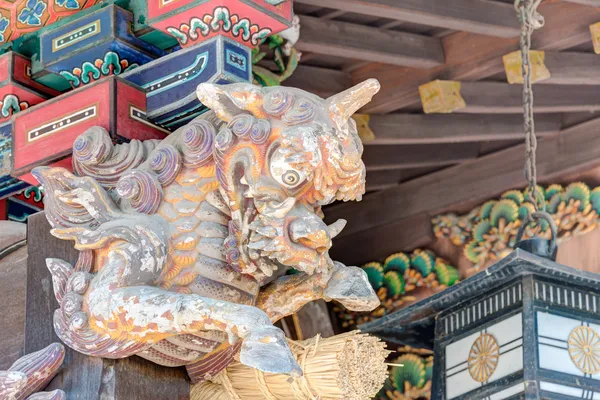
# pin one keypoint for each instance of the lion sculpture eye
(286, 175)
(290, 177)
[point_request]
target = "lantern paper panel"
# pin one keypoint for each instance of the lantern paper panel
(484, 357)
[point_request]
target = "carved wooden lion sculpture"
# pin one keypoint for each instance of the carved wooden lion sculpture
(180, 238)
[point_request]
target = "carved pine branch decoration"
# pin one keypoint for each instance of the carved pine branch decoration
(396, 279)
(488, 232)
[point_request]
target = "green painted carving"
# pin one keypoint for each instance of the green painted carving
(11, 104)
(221, 16)
(89, 72)
(395, 279)
(488, 232)
(409, 376)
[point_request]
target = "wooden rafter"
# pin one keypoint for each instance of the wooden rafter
(575, 149)
(403, 129)
(487, 18)
(378, 158)
(385, 179)
(473, 57)
(564, 68)
(593, 3)
(503, 98)
(360, 42)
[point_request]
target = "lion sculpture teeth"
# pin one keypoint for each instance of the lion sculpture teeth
(181, 240)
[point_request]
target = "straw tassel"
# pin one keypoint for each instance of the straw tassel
(348, 366)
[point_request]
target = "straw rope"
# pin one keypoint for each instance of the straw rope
(209, 390)
(349, 366)
(262, 385)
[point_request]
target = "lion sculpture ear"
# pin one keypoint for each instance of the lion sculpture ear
(227, 101)
(343, 105)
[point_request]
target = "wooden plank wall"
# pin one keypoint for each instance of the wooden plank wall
(13, 277)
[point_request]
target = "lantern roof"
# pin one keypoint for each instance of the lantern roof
(415, 325)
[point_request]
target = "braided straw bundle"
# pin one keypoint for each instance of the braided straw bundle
(348, 366)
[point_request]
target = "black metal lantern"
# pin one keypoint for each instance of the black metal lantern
(526, 328)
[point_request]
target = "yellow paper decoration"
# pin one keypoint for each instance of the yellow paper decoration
(441, 97)
(514, 73)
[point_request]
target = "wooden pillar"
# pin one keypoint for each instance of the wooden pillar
(13, 277)
(83, 377)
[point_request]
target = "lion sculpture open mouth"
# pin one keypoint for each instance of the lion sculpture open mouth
(182, 240)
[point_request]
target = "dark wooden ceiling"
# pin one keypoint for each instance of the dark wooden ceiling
(423, 164)
(406, 43)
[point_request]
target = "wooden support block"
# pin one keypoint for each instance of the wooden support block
(441, 97)
(18, 92)
(44, 135)
(93, 46)
(595, 31)
(404, 129)
(362, 125)
(84, 377)
(170, 82)
(513, 63)
(41, 15)
(555, 68)
(192, 22)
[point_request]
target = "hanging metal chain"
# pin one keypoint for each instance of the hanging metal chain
(530, 21)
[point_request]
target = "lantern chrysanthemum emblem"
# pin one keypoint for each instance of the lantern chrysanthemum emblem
(483, 357)
(584, 349)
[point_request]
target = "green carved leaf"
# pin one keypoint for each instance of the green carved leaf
(481, 229)
(504, 209)
(446, 274)
(413, 371)
(578, 191)
(486, 209)
(552, 190)
(423, 261)
(399, 262)
(595, 199)
(394, 284)
(514, 195)
(374, 272)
